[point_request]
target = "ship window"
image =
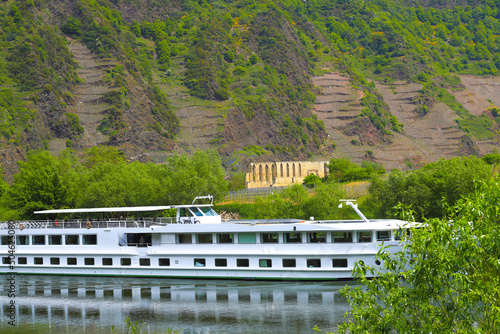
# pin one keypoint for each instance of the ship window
(184, 212)
(55, 240)
(125, 261)
(164, 262)
(89, 239)
(72, 239)
(269, 238)
(200, 262)
(342, 236)
(265, 263)
(225, 238)
(144, 262)
(22, 260)
(54, 261)
(313, 263)
(221, 262)
(208, 211)
(292, 237)
(107, 261)
(205, 238)
(316, 237)
(6, 260)
(196, 211)
(71, 261)
(383, 235)
(89, 261)
(38, 240)
(242, 263)
(365, 236)
(247, 238)
(38, 260)
(23, 240)
(184, 238)
(7, 239)
(289, 263)
(339, 263)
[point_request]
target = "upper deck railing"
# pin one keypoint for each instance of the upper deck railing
(89, 223)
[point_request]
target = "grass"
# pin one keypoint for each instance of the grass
(479, 127)
(451, 102)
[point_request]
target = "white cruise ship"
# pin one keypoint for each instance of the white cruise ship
(194, 244)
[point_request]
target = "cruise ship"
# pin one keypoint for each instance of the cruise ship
(196, 243)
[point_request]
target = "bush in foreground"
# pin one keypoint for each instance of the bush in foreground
(447, 279)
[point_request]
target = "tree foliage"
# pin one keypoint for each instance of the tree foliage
(343, 169)
(101, 177)
(430, 189)
(43, 183)
(447, 279)
(200, 174)
(297, 202)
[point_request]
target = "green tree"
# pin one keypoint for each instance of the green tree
(338, 168)
(430, 189)
(296, 202)
(200, 174)
(42, 183)
(446, 280)
(323, 204)
(272, 206)
(72, 27)
(311, 180)
(124, 184)
(15, 13)
(102, 154)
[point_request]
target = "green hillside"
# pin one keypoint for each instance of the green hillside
(245, 68)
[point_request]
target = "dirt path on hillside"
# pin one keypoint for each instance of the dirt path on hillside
(337, 106)
(426, 138)
(202, 122)
(89, 93)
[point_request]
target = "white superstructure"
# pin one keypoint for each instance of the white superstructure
(194, 244)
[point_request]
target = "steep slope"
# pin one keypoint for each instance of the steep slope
(201, 122)
(426, 137)
(393, 82)
(89, 103)
(338, 106)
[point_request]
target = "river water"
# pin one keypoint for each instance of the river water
(62, 304)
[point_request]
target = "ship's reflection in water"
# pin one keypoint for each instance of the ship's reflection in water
(94, 304)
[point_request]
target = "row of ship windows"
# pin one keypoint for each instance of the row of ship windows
(288, 237)
(165, 262)
(70, 239)
(208, 238)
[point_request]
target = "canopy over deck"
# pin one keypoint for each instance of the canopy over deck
(130, 208)
(119, 209)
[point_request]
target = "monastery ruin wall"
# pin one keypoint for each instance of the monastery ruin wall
(280, 174)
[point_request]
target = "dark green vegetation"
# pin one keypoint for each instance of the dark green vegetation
(446, 280)
(102, 177)
(429, 190)
(342, 170)
(255, 58)
(294, 202)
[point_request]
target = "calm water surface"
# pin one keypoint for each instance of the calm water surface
(57, 304)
